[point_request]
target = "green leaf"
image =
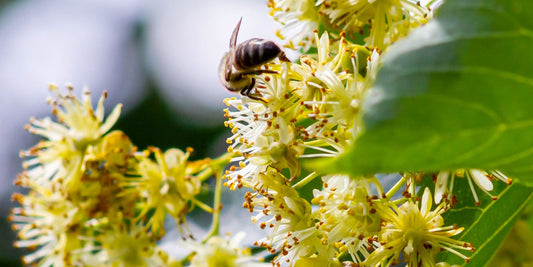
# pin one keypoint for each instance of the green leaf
(486, 226)
(528, 215)
(455, 94)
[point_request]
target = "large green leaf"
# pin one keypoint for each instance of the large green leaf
(529, 215)
(457, 93)
(487, 225)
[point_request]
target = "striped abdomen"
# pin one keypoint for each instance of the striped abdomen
(254, 53)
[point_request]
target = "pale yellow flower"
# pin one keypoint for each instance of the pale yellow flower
(166, 186)
(292, 230)
(79, 125)
(388, 20)
(347, 214)
(47, 225)
(332, 85)
(126, 245)
(218, 251)
(264, 134)
(416, 232)
(298, 19)
(482, 179)
(72, 178)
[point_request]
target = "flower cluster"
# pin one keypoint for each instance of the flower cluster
(378, 23)
(311, 109)
(218, 251)
(416, 231)
(347, 214)
(93, 199)
(482, 179)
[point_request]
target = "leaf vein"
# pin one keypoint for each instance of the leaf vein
(465, 208)
(476, 7)
(502, 226)
(484, 209)
(471, 69)
(510, 159)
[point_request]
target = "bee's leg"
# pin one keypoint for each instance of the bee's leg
(257, 72)
(283, 57)
(255, 95)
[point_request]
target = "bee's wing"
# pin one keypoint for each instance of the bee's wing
(229, 64)
(233, 39)
(229, 57)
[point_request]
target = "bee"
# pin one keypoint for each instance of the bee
(245, 60)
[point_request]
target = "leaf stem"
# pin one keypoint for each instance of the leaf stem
(305, 180)
(215, 166)
(217, 206)
(395, 188)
